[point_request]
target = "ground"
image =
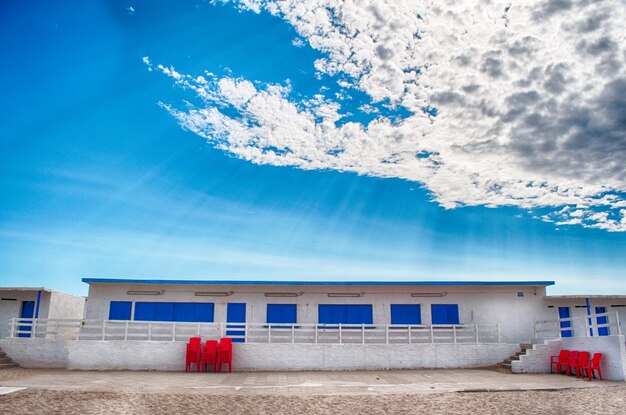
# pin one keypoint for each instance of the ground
(372, 392)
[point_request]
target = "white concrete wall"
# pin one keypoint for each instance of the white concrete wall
(11, 306)
(477, 304)
(37, 353)
(613, 364)
(66, 306)
(141, 355)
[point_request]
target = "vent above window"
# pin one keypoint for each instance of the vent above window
(138, 292)
(443, 294)
(213, 293)
(283, 294)
(345, 294)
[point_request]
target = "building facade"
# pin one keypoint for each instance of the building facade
(513, 306)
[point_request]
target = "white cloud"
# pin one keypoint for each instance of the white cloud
(531, 101)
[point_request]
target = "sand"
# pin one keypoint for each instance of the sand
(610, 399)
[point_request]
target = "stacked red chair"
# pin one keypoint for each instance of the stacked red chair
(225, 354)
(580, 362)
(193, 354)
(572, 360)
(559, 361)
(594, 364)
(209, 355)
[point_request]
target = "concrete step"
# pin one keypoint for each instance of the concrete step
(7, 365)
(507, 365)
(5, 360)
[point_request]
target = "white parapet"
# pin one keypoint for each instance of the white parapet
(170, 356)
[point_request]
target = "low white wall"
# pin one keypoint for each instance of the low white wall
(613, 364)
(250, 357)
(37, 353)
(142, 355)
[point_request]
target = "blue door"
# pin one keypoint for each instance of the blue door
(236, 313)
(566, 326)
(602, 331)
(28, 310)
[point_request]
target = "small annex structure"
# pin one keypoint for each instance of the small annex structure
(38, 303)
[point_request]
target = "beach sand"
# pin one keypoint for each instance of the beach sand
(597, 400)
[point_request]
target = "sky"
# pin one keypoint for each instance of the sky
(326, 140)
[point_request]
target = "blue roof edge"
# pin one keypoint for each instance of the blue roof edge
(244, 282)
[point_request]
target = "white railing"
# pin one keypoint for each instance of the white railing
(579, 326)
(256, 332)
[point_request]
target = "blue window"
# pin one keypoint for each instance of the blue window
(406, 314)
(566, 326)
(445, 313)
(120, 310)
(187, 312)
(281, 313)
(602, 331)
(345, 314)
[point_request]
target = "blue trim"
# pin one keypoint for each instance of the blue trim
(589, 316)
(38, 302)
(240, 282)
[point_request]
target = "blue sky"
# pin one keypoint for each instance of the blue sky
(99, 180)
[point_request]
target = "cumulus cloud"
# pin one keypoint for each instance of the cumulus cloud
(504, 103)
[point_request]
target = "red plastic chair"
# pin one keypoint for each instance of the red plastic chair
(594, 364)
(572, 359)
(193, 353)
(559, 361)
(580, 362)
(225, 354)
(209, 355)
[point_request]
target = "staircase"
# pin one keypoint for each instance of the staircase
(6, 362)
(506, 363)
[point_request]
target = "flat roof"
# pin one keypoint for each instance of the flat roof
(597, 296)
(25, 289)
(256, 282)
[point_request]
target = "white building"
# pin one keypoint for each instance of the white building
(511, 305)
(39, 303)
(298, 325)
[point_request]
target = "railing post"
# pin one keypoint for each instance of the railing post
(269, 333)
(293, 332)
(149, 331)
(340, 338)
(362, 333)
(198, 331)
(103, 329)
(410, 335)
(56, 329)
(454, 334)
(12, 327)
(126, 331)
(498, 329)
(619, 328)
(587, 328)
(316, 334)
(174, 331)
(432, 334)
(386, 333)
(476, 331)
